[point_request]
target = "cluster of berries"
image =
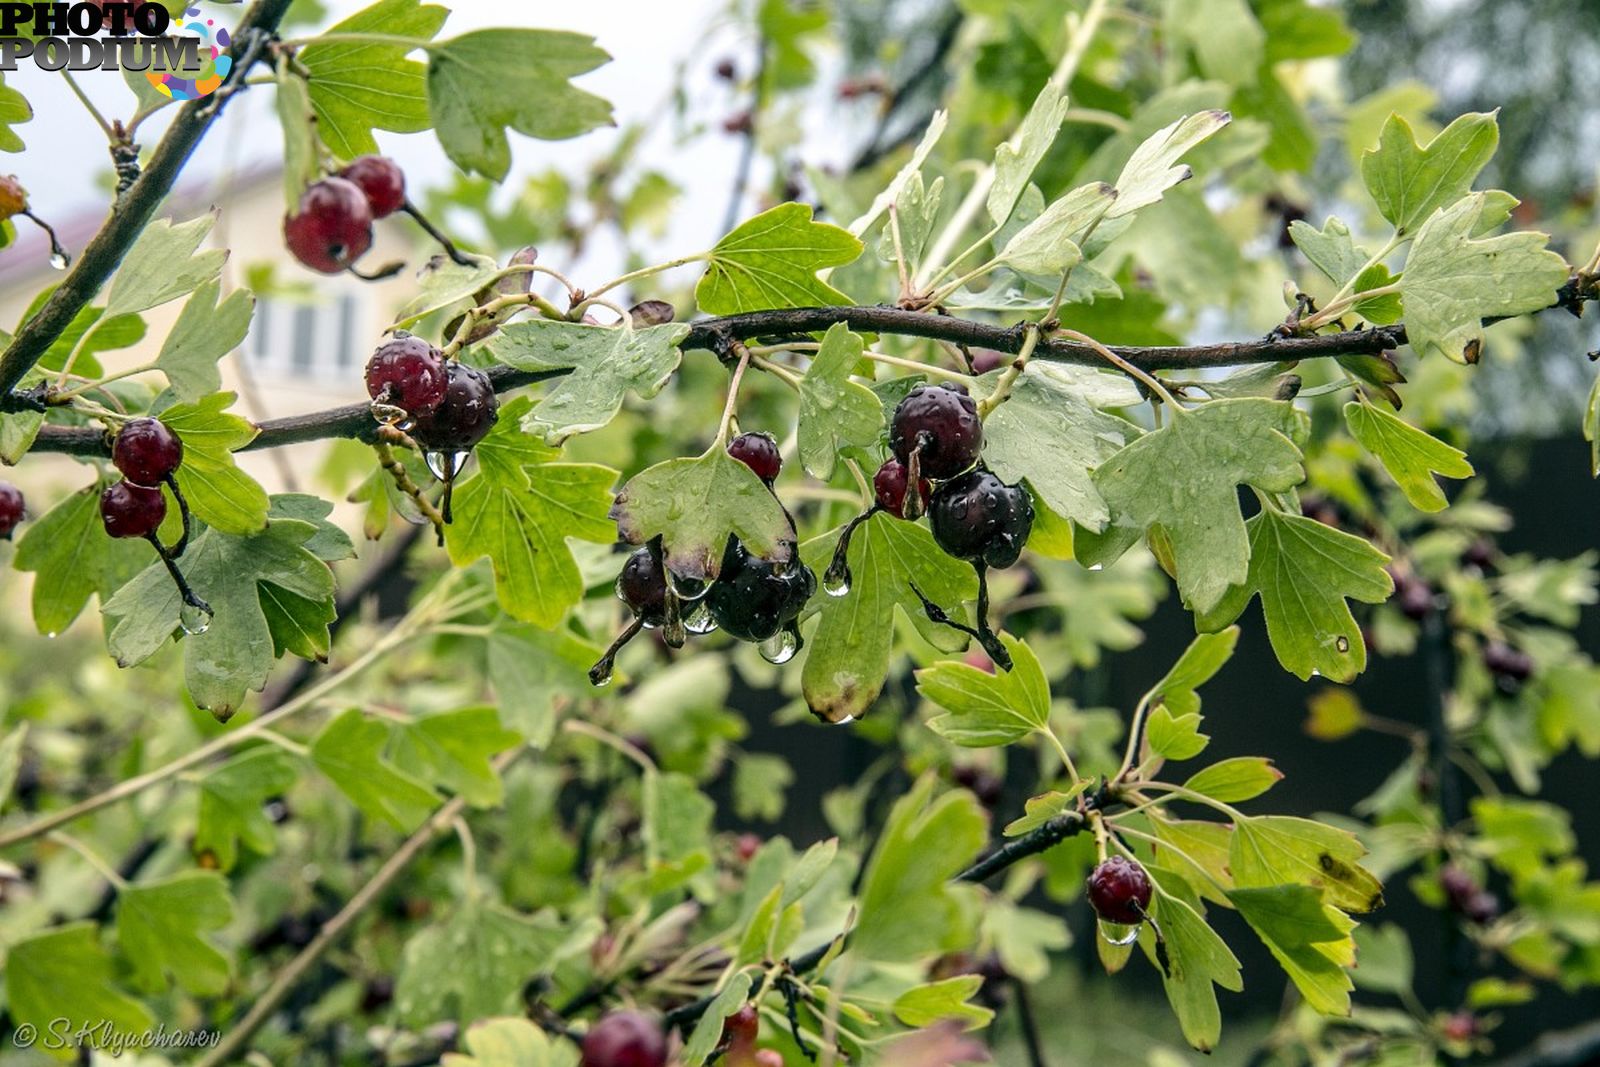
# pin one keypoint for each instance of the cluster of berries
(1466, 897)
(752, 599)
(936, 438)
(636, 1039)
(332, 226)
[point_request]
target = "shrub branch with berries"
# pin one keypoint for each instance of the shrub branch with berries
(914, 488)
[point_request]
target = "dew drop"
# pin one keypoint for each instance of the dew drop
(685, 587)
(387, 414)
(194, 620)
(781, 646)
(445, 465)
(1342, 644)
(836, 580)
(1097, 566)
(51, 635)
(600, 673)
(1315, 673)
(1117, 934)
(60, 260)
(698, 619)
(846, 721)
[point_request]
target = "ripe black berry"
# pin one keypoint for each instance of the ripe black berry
(383, 182)
(1479, 554)
(408, 373)
(941, 424)
(1119, 891)
(752, 599)
(12, 509)
(332, 226)
(1510, 666)
(465, 415)
(642, 586)
(146, 452)
(625, 1039)
(984, 784)
(130, 510)
(759, 452)
(979, 518)
(1414, 596)
(889, 486)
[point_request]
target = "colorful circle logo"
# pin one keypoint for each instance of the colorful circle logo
(213, 40)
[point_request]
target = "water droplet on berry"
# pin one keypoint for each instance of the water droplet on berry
(1117, 934)
(687, 588)
(836, 580)
(388, 414)
(194, 620)
(1342, 644)
(445, 465)
(698, 619)
(781, 646)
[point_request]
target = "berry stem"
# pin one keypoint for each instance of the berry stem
(725, 427)
(402, 478)
(177, 550)
(92, 858)
(645, 272)
(601, 671)
(184, 590)
(83, 98)
(1008, 377)
(1150, 380)
(450, 249)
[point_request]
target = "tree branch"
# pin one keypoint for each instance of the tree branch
(133, 210)
(716, 334)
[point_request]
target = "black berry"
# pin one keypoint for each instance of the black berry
(13, 509)
(625, 1039)
(146, 452)
(987, 786)
(1480, 554)
(465, 415)
(752, 599)
(1510, 666)
(381, 180)
(1414, 596)
(409, 373)
(1119, 891)
(332, 226)
(979, 518)
(130, 510)
(941, 423)
(889, 486)
(642, 586)
(759, 452)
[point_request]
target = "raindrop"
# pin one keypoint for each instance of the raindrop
(781, 646)
(1097, 566)
(686, 587)
(388, 414)
(698, 619)
(600, 673)
(836, 580)
(1117, 934)
(195, 620)
(51, 635)
(445, 466)
(1342, 644)
(846, 721)
(1315, 673)
(60, 260)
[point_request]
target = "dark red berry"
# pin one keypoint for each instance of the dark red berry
(146, 451)
(409, 373)
(467, 413)
(1483, 908)
(979, 518)
(332, 226)
(1462, 1026)
(985, 360)
(942, 422)
(752, 598)
(726, 69)
(759, 452)
(983, 784)
(383, 182)
(642, 586)
(130, 510)
(889, 486)
(1415, 597)
(625, 1039)
(741, 1028)
(746, 847)
(13, 509)
(1119, 891)
(1511, 666)
(1459, 886)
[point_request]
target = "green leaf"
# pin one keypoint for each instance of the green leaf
(1309, 939)
(693, 504)
(1197, 961)
(509, 1043)
(1153, 168)
(1173, 736)
(1016, 159)
(836, 412)
(231, 800)
(925, 1005)
(14, 110)
(481, 83)
(299, 122)
(1050, 434)
(1234, 780)
(1227, 41)
(607, 362)
(91, 332)
(1044, 807)
(1204, 848)
(349, 750)
(1331, 249)
(330, 543)
(983, 708)
(1045, 246)
(1305, 571)
(1387, 965)
(358, 87)
(219, 494)
(677, 817)
(206, 331)
(529, 667)
(63, 973)
(759, 782)
(18, 431)
(1206, 655)
(74, 558)
(478, 960)
(1453, 281)
(1184, 478)
(1591, 427)
(1273, 850)
(235, 654)
(1410, 182)
(519, 510)
(163, 265)
(771, 261)
(1024, 938)
(453, 750)
(161, 928)
(707, 1033)
(1410, 455)
(11, 760)
(909, 172)
(908, 906)
(849, 649)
